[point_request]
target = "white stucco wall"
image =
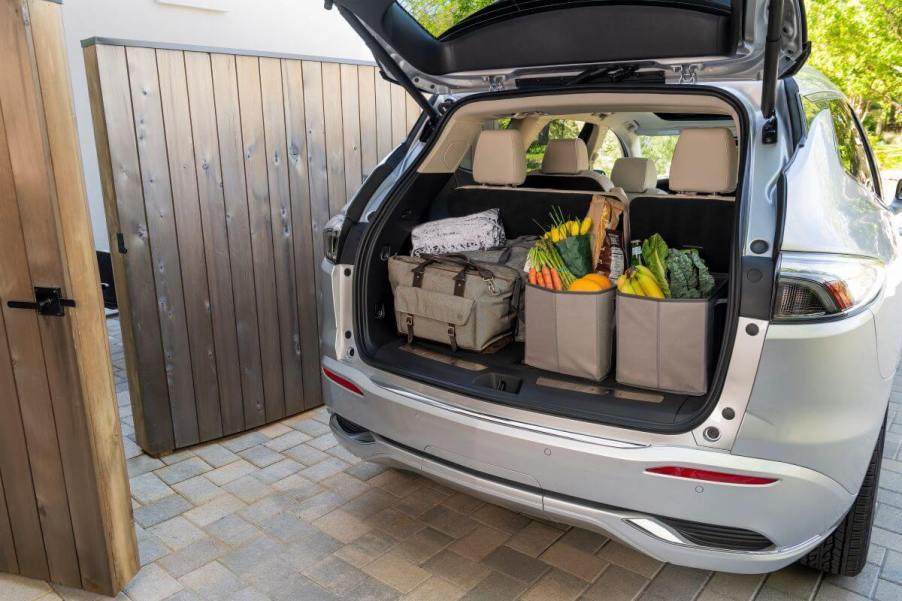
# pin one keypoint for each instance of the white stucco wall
(280, 26)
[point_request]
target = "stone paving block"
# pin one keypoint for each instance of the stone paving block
(865, 582)
(274, 430)
(273, 575)
(828, 592)
(886, 539)
(630, 559)
(345, 485)
(434, 589)
(396, 524)
(311, 427)
(297, 487)
(212, 581)
(675, 583)
(397, 482)
(319, 505)
(248, 556)
(479, 543)
(576, 561)
(732, 587)
(342, 526)
(324, 469)
(301, 587)
(233, 530)
(148, 488)
(370, 503)
(365, 470)
(501, 518)
(534, 539)
(177, 533)
(150, 549)
(249, 489)
(449, 521)
(396, 572)
(888, 591)
(335, 575)
(189, 468)
(888, 517)
(177, 456)
(463, 503)
(616, 584)
(232, 471)
(515, 564)
(876, 554)
(216, 454)
(161, 510)
(290, 439)
(244, 441)
(555, 585)
(584, 540)
(366, 548)
(795, 580)
(194, 556)
(423, 545)
(281, 469)
(419, 501)
(267, 507)
(214, 509)
(456, 569)
(260, 455)
(249, 594)
(311, 550)
(152, 583)
(344, 454)
(198, 490)
(129, 446)
(306, 454)
(372, 590)
(286, 527)
(495, 587)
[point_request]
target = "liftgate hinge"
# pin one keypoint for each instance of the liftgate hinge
(688, 73)
(47, 301)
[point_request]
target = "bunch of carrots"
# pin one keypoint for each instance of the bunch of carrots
(547, 267)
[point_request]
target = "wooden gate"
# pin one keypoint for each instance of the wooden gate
(219, 171)
(65, 509)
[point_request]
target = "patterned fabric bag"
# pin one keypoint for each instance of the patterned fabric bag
(479, 231)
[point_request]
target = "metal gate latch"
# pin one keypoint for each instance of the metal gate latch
(47, 301)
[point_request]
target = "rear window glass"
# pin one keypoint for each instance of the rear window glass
(660, 150)
(439, 16)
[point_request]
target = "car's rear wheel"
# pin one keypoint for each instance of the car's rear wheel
(845, 552)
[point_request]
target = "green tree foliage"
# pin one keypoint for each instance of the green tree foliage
(438, 16)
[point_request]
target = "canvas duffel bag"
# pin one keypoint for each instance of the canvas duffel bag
(450, 299)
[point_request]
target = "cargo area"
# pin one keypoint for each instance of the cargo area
(619, 151)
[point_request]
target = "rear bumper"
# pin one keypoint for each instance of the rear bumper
(599, 484)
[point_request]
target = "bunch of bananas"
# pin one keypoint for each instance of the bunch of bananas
(639, 281)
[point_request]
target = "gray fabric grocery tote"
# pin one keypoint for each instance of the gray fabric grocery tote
(570, 332)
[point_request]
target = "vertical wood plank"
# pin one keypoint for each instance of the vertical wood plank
(250, 103)
(350, 121)
(8, 561)
(369, 152)
(133, 271)
(299, 189)
(398, 114)
(189, 232)
(228, 119)
(90, 435)
(413, 112)
(334, 137)
(202, 104)
(15, 466)
(384, 143)
(282, 231)
(148, 124)
(316, 157)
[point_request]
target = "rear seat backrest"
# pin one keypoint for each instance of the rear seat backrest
(565, 166)
(705, 161)
(499, 159)
(636, 176)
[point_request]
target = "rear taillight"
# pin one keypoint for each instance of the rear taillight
(332, 237)
(342, 381)
(690, 473)
(818, 285)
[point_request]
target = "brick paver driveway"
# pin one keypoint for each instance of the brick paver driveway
(283, 513)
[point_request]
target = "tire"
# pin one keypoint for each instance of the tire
(845, 552)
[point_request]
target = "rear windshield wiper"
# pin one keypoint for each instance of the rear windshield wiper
(608, 73)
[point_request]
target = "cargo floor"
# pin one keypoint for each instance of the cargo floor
(503, 377)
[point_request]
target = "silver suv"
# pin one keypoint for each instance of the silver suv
(779, 461)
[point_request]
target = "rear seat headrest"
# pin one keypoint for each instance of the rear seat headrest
(704, 160)
(565, 157)
(500, 158)
(634, 174)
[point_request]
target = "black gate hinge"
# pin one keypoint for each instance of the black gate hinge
(47, 301)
